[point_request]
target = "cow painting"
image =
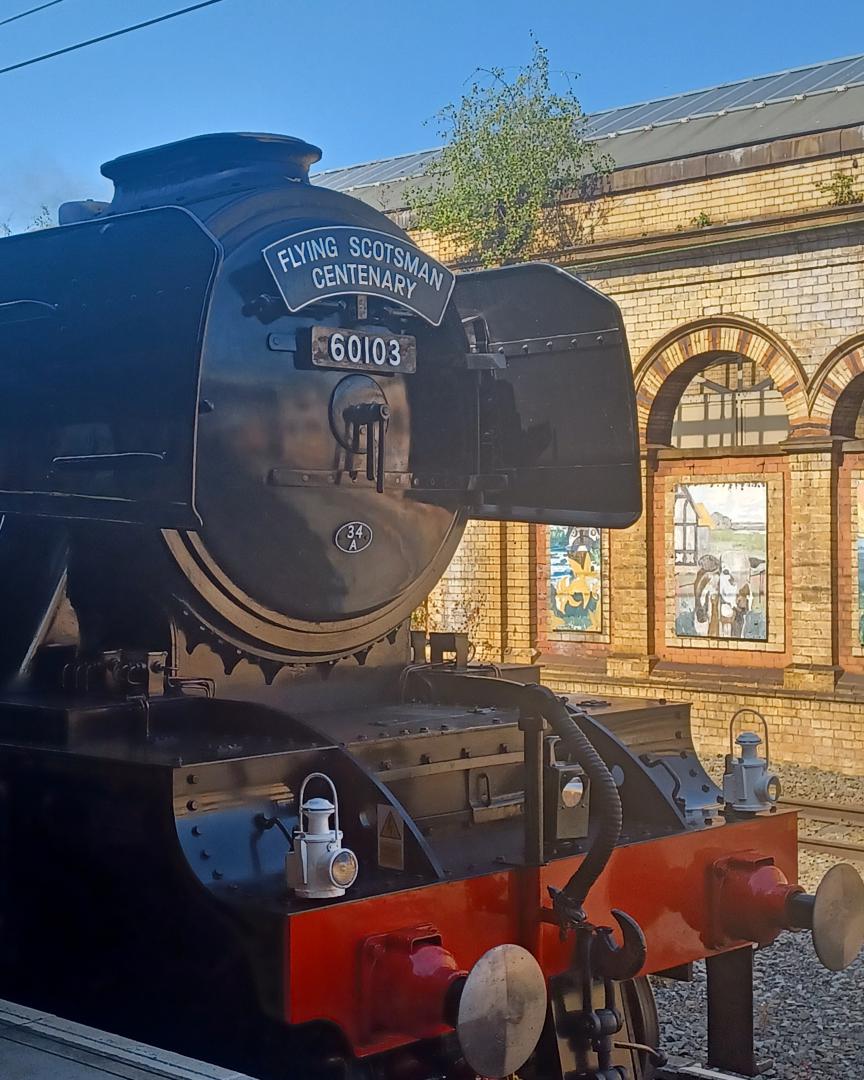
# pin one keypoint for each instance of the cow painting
(722, 594)
(720, 560)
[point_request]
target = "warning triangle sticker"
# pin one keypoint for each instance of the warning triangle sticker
(390, 829)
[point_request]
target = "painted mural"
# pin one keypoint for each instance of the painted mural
(859, 544)
(575, 579)
(721, 560)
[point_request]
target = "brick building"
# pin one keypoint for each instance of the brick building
(731, 234)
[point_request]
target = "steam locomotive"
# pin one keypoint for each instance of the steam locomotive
(245, 812)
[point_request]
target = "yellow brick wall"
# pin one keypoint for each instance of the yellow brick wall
(746, 196)
(517, 597)
(732, 198)
(468, 599)
(807, 292)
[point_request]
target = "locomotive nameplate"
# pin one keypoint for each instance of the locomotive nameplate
(355, 349)
(341, 260)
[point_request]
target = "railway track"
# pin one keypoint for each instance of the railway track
(835, 818)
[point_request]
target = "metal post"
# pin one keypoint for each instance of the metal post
(730, 1012)
(532, 731)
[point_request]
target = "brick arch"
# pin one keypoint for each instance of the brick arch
(837, 389)
(663, 374)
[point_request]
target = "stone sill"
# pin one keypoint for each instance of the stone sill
(673, 453)
(803, 444)
(593, 667)
(751, 682)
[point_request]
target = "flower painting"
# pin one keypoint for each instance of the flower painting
(721, 558)
(575, 579)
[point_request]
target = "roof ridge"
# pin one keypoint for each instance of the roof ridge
(378, 161)
(723, 86)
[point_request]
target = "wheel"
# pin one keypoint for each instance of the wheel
(641, 1023)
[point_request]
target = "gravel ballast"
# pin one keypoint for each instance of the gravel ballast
(809, 1022)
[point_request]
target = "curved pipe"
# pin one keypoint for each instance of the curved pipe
(534, 700)
(540, 700)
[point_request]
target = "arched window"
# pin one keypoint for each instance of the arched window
(730, 403)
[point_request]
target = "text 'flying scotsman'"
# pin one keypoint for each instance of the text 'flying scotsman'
(318, 263)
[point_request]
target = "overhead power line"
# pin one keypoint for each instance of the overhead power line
(32, 11)
(107, 37)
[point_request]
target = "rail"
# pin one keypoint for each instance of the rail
(830, 814)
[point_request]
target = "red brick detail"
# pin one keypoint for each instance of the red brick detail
(658, 406)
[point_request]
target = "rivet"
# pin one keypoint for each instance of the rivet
(196, 831)
(205, 854)
(192, 778)
(192, 804)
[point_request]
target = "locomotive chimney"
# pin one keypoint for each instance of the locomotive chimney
(207, 166)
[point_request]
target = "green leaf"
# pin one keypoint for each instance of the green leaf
(515, 154)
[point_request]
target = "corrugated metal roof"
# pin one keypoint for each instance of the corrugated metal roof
(718, 100)
(802, 100)
(385, 171)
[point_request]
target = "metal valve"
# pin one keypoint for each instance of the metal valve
(318, 867)
(373, 416)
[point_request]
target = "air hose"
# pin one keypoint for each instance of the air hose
(605, 800)
(535, 701)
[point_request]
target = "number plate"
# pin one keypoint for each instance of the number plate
(359, 349)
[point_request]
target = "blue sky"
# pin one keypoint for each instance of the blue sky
(357, 78)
